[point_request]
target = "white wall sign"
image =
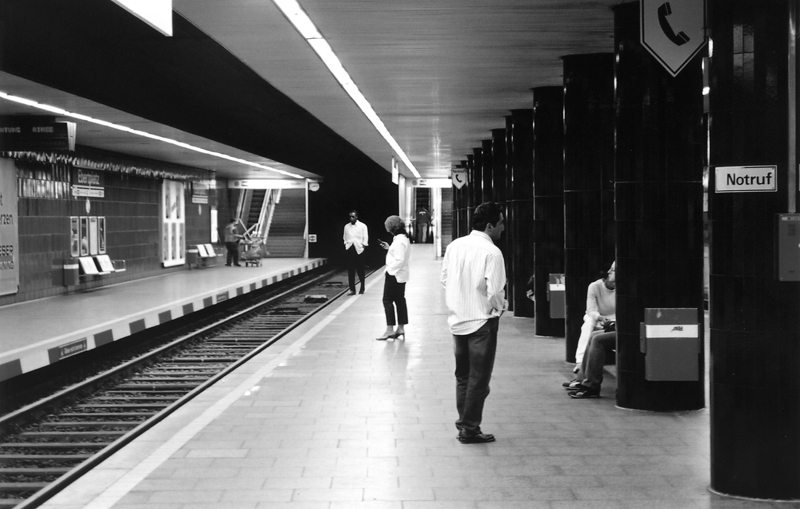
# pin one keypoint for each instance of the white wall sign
(266, 184)
(173, 223)
(745, 179)
(459, 177)
(9, 232)
(673, 32)
(432, 183)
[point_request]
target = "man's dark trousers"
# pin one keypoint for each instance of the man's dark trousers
(355, 263)
(475, 354)
(233, 253)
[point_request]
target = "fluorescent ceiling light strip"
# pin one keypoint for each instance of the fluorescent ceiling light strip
(65, 113)
(292, 10)
(297, 16)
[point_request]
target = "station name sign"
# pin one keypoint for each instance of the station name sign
(35, 134)
(746, 179)
(88, 183)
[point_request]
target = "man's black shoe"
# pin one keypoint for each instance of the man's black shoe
(480, 438)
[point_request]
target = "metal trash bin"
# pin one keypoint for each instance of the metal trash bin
(71, 272)
(556, 295)
(191, 257)
(670, 340)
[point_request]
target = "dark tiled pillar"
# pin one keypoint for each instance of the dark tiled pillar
(463, 212)
(488, 170)
(498, 185)
(520, 220)
(458, 204)
(470, 193)
(588, 180)
(754, 318)
(509, 180)
(548, 201)
(659, 209)
(477, 189)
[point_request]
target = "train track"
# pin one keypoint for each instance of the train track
(47, 445)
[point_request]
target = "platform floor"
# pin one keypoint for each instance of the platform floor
(329, 418)
(37, 333)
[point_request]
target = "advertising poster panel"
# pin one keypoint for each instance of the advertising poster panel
(9, 231)
(173, 223)
(74, 239)
(93, 235)
(101, 235)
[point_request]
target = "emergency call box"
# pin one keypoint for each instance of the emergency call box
(556, 294)
(788, 252)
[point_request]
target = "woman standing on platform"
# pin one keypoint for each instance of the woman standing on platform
(394, 288)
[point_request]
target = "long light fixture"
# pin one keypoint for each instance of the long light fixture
(65, 113)
(297, 16)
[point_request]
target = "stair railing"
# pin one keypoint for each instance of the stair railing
(272, 198)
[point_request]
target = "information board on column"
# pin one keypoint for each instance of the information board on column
(9, 232)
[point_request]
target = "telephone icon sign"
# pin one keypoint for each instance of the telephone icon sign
(673, 32)
(680, 38)
(459, 177)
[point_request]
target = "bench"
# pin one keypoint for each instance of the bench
(92, 267)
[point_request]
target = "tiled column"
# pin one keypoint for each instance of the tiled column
(660, 143)
(520, 220)
(498, 185)
(509, 179)
(754, 317)
(458, 204)
(548, 201)
(488, 170)
(470, 193)
(477, 168)
(588, 180)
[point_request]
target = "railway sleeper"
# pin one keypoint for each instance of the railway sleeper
(147, 386)
(87, 424)
(61, 435)
(236, 340)
(227, 348)
(128, 398)
(16, 487)
(50, 446)
(209, 359)
(182, 371)
(27, 459)
(123, 393)
(50, 471)
(105, 415)
(194, 367)
(155, 406)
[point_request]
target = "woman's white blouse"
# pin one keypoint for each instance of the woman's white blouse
(397, 258)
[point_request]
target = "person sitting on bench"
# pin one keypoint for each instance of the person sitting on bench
(598, 334)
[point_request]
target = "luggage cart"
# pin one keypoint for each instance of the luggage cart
(252, 251)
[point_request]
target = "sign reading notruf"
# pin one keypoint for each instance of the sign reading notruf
(745, 179)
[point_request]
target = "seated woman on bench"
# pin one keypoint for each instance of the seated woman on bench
(598, 334)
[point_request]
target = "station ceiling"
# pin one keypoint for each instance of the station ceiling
(440, 74)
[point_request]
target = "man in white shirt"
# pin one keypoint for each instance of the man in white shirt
(474, 277)
(356, 238)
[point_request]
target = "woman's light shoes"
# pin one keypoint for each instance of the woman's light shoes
(392, 335)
